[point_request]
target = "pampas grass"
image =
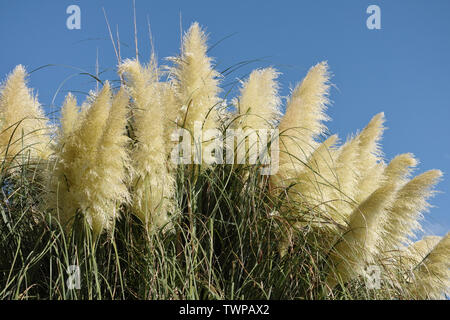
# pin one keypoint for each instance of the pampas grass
(259, 103)
(152, 184)
(24, 130)
(305, 113)
(196, 83)
(431, 267)
(106, 193)
(90, 159)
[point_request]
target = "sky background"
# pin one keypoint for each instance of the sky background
(402, 69)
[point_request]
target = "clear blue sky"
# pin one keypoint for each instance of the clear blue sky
(402, 69)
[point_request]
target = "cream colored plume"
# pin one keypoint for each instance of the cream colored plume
(172, 115)
(315, 181)
(432, 274)
(416, 252)
(258, 105)
(112, 158)
(24, 130)
(195, 82)
(152, 184)
(346, 170)
(90, 170)
(69, 115)
(361, 242)
(370, 163)
(305, 112)
(358, 245)
(411, 200)
(311, 188)
(399, 169)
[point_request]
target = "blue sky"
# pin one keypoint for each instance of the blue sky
(402, 69)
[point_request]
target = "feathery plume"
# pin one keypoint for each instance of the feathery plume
(75, 169)
(23, 127)
(358, 245)
(310, 187)
(317, 176)
(361, 243)
(416, 252)
(370, 165)
(89, 171)
(305, 112)
(195, 81)
(347, 173)
(432, 275)
(172, 115)
(113, 161)
(69, 115)
(403, 218)
(369, 139)
(399, 168)
(153, 185)
(259, 102)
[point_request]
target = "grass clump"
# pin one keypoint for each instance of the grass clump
(102, 193)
